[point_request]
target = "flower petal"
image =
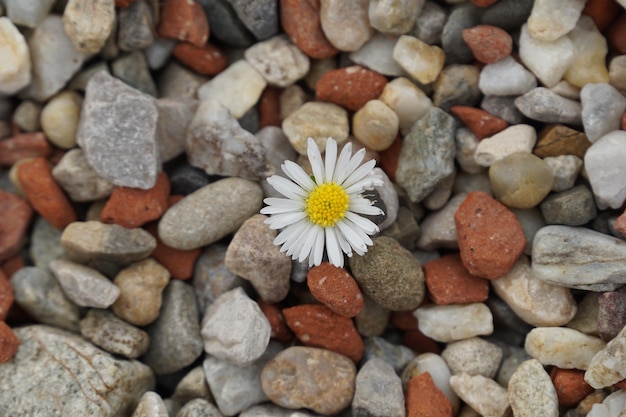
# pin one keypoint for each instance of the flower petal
(309, 242)
(278, 221)
(335, 256)
(364, 206)
(364, 224)
(343, 243)
(355, 236)
(287, 188)
(297, 174)
(318, 251)
(360, 173)
(352, 165)
(289, 234)
(330, 159)
(342, 164)
(317, 164)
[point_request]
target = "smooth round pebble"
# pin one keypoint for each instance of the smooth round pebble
(604, 168)
(375, 125)
(421, 61)
(482, 394)
(573, 207)
(114, 335)
(346, 25)
(83, 285)
(407, 100)
(531, 392)
(449, 323)
(473, 356)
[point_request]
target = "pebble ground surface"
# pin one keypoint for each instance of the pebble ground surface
(138, 278)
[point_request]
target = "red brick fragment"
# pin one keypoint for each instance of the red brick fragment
(24, 145)
(15, 215)
(269, 107)
(8, 343)
(449, 282)
(205, 60)
(301, 21)
(424, 399)
(570, 386)
(350, 87)
(419, 342)
(336, 289)
(488, 43)
(184, 20)
(480, 122)
(6, 295)
(388, 158)
(280, 330)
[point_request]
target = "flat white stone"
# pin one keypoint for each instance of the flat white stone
(603, 108)
(565, 169)
(447, 323)
(563, 347)
(517, 138)
(551, 19)
(608, 366)
(547, 60)
(15, 57)
(506, 78)
(531, 392)
(604, 163)
(483, 394)
(278, 60)
(406, 99)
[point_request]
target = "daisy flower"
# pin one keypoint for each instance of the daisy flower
(324, 210)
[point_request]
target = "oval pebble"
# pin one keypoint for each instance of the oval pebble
(114, 335)
(531, 392)
(482, 394)
(378, 391)
(83, 285)
(452, 322)
(473, 356)
(562, 347)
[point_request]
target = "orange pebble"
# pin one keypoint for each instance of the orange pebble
(269, 107)
(6, 295)
(15, 215)
(205, 60)
(570, 385)
(480, 122)
(449, 282)
(301, 21)
(350, 87)
(23, 145)
(8, 343)
(184, 20)
(489, 44)
(388, 158)
(424, 399)
(336, 289)
(280, 331)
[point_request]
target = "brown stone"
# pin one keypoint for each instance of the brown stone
(269, 107)
(424, 399)
(570, 385)
(44, 194)
(557, 140)
(616, 35)
(300, 19)
(336, 289)
(603, 12)
(205, 60)
(490, 236)
(449, 282)
(350, 87)
(483, 3)
(317, 326)
(419, 342)
(388, 159)
(480, 122)
(8, 343)
(12, 265)
(24, 145)
(6, 295)
(280, 330)
(403, 320)
(184, 20)
(15, 215)
(620, 224)
(122, 4)
(488, 43)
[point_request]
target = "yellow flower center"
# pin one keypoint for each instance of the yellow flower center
(327, 204)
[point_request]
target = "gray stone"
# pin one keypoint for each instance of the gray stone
(581, 258)
(150, 405)
(57, 373)
(45, 243)
(506, 78)
(427, 154)
(235, 329)
(405, 229)
(602, 109)
(117, 132)
(505, 317)
(466, 144)
(441, 193)
(171, 131)
(531, 221)
(114, 335)
(237, 388)
(28, 13)
(547, 106)
(573, 207)
(210, 213)
(378, 391)
(586, 318)
(40, 295)
(185, 179)
(278, 60)
(260, 17)
(377, 55)
(466, 183)
(89, 23)
(132, 69)
(85, 286)
(531, 392)
(159, 52)
(429, 23)
(217, 143)
(80, 80)
(397, 356)
(462, 17)
(192, 386)
(513, 357)
(604, 169)
(372, 320)
(473, 356)
(27, 115)
(502, 107)
(607, 367)
(250, 120)
(269, 409)
(277, 150)
(438, 229)
(565, 169)
(175, 340)
(457, 85)
(178, 82)
(199, 408)
(509, 15)
(224, 23)
(135, 27)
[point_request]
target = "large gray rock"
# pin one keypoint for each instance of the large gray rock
(56, 373)
(545, 105)
(378, 391)
(260, 16)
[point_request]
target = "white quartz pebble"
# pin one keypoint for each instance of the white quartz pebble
(517, 138)
(447, 323)
(563, 347)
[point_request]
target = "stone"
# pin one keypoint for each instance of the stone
(426, 157)
(547, 60)
(41, 296)
(531, 221)
(302, 23)
(54, 57)
(317, 326)
(517, 138)
(576, 257)
(503, 107)
(457, 85)
(448, 323)
(150, 405)
(9, 343)
(15, 216)
(372, 320)
(26, 116)
(602, 109)
(605, 368)
(28, 13)
(489, 44)
(312, 378)
(114, 335)
(386, 260)
(279, 329)
(557, 140)
(482, 394)
(91, 381)
(90, 241)
(461, 17)
(6, 295)
(17, 73)
(480, 122)
(506, 78)
(175, 340)
(274, 410)
(59, 119)
(612, 404)
(205, 60)
(278, 60)
(45, 244)
(125, 156)
(351, 87)
(394, 18)
(429, 23)
(531, 392)
(159, 53)
(252, 255)
(22, 146)
(336, 289)
(184, 21)
(199, 407)
(378, 391)
(185, 179)
(520, 180)
(377, 55)
(398, 356)
(573, 207)
(449, 282)
(490, 236)
(473, 356)
(84, 286)
(193, 386)
(179, 263)
(586, 318)
(562, 347)
(602, 172)
(565, 169)
(318, 121)
(421, 61)
(346, 24)
(261, 18)
(434, 365)
(589, 65)
(570, 386)
(549, 19)
(136, 27)
(132, 69)
(423, 398)
(610, 314)
(546, 106)
(438, 229)
(210, 213)
(375, 125)
(89, 24)
(235, 329)
(617, 73)
(407, 100)
(174, 118)
(224, 23)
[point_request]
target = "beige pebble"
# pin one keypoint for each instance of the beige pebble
(406, 99)
(375, 125)
(318, 121)
(59, 119)
(562, 347)
(423, 62)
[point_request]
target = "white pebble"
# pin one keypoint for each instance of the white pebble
(319, 121)
(613, 405)
(375, 125)
(531, 392)
(15, 57)
(421, 61)
(484, 395)
(563, 347)
(447, 323)
(608, 366)
(551, 19)
(345, 23)
(506, 78)
(603, 108)
(547, 60)
(565, 169)
(377, 55)
(59, 119)
(604, 163)
(407, 100)
(517, 138)
(278, 60)
(473, 356)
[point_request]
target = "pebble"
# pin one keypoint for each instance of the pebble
(54, 57)
(318, 326)
(448, 323)
(278, 60)
(175, 340)
(449, 282)
(407, 100)
(178, 82)
(270, 409)
(150, 405)
(317, 379)
(28, 14)
(489, 44)
(611, 405)
(611, 308)
(372, 320)
(457, 85)
(398, 356)
(174, 118)
(602, 170)
(606, 368)
(423, 398)
(577, 257)
(27, 116)
(44, 194)
(375, 125)
(378, 391)
(302, 23)
(291, 99)
(279, 329)
(9, 343)
(517, 138)
(89, 24)
(531, 392)
(482, 394)
(22, 146)
(318, 121)
(602, 109)
(225, 25)
(38, 292)
(394, 18)
(441, 194)
(434, 365)
(17, 73)
(506, 78)
(89, 380)
(6, 295)
(549, 20)
(336, 289)
(617, 73)
(438, 229)
(235, 329)
(45, 244)
(570, 386)
(520, 180)
(252, 256)
(205, 60)
(15, 216)
(421, 61)
(193, 386)
(377, 55)
(429, 23)
(589, 65)
(193, 222)
(462, 17)
(563, 347)
(133, 70)
(557, 140)
(84, 286)
(185, 179)
(351, 87)
(473, 356)
(386, 260)
(586, 318)
(480, 122)
(114, 335)
(565, 169)
(185, 21)
(546, 106)
(573, 207)
(135, 27)
(59, 119)
(197, 408)
(427, 154)
(404, 230)
(261, 18)
(489, 235)
(346, 25)
(503, 107)
(159, 52)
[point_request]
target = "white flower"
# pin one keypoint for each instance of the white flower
(323, 210)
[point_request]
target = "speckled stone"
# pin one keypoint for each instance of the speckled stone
(573, 207)
(278, 60)
(462, 17)
(565, 169)
(473, 356)
(421, 61)
(378, 391)
(114, 335)
(457, 85)
(260, 17)
(318, 121)
(547, 106)
(85, 286)
(611, 313)
(563, 347)
(603, 108)
(482, 394)
(531, 392)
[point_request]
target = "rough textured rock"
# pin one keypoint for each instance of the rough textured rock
(606, 367)
(89, 23)
(453, 322)
(84, 286)
(562, 347)
(531, 392)
(114, 335)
